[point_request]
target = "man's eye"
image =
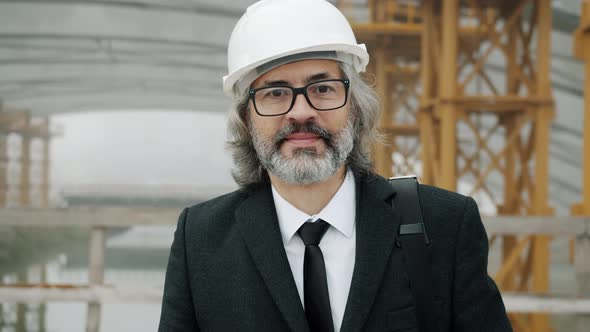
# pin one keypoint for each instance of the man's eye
(276, 93)
(323, 88)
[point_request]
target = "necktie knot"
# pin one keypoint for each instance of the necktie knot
(312, 232)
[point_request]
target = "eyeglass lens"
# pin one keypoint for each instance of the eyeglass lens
(323, 95)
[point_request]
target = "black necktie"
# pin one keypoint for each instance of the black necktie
(315, 285)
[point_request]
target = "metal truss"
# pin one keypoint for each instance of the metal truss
(472, 127)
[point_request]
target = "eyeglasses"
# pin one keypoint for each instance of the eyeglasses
(323, 95)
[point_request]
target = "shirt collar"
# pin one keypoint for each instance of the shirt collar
(340, 212)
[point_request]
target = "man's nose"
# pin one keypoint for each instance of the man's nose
(302, 110)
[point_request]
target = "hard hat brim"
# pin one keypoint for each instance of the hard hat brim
(360, 59)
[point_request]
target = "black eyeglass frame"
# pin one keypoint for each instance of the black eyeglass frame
(302, 91)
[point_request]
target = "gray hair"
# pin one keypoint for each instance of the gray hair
(365, 112)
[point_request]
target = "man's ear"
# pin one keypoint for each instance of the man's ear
(245, 113)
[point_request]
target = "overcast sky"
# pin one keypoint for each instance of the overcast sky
(126, 147)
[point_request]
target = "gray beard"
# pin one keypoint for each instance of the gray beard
(306, 166)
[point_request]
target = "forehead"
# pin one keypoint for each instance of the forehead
(299, 72)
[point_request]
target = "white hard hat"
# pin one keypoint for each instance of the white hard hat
(274, 32)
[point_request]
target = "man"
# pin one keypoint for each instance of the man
(308, 243)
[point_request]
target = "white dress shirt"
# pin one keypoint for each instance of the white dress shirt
(338, 244)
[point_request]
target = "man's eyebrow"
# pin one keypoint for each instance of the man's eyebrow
(314, 77)
(317, 77)
(275, 83)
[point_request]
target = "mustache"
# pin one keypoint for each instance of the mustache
(307, 127)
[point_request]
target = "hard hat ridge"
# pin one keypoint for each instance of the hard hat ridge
(274, 29)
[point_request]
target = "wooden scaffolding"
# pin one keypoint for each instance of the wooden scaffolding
(24, 159)
(481, 73)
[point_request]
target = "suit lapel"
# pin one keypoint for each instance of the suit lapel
(377, 225)
(260, 230)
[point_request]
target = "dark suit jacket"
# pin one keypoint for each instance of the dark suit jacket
(228, 270)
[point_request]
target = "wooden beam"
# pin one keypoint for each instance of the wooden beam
(98, 294)
(387, 28)
(14, 116)
(582, 268)
(400, 129)
(88, 217)
(514, 302)
(25, 168)
(427, 82)
(519, 225)
(45, 170)
(3, 169)
(548, 304)
(542, 130)
(96, 261)
(126, 217)
(510, 261)
(382, 158)
(582, 51)
(448, 89)
(583, 29)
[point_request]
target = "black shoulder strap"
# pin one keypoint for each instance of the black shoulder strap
(413, 241)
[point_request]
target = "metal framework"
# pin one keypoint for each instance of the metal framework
(392, 35)
(480, 133)
(581, 51)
